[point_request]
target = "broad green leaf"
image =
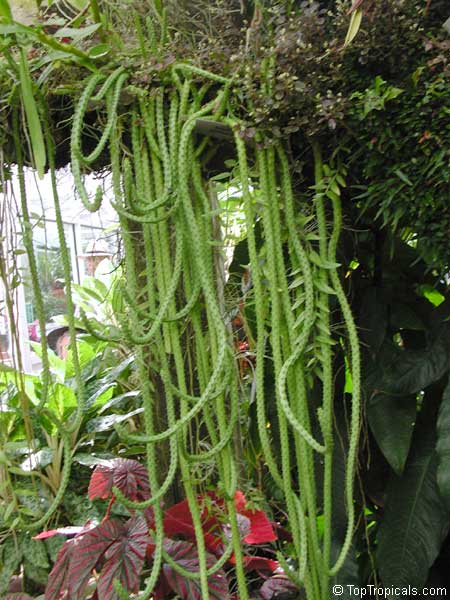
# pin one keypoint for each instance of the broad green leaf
(37, 460)
(32, 115)
(100, 396)
(92, 460)
(118, 400)
(443, 445)
(415, 520)
(35, 552)
(400, 372)
(105, 423)
(57, 365)
(11, 557)
(391, 419)
(85, 353)
(431, 294)
(35, 573)
(62, 401)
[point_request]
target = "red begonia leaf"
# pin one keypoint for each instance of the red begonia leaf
(115, 547)
(279, 586)
(178, 521)
(88, 549)
(59, 576)
(257, 563)
(162, 590)
(124, 559)
(261, 529)
(186, 556)
(260, 563)
(129, 476)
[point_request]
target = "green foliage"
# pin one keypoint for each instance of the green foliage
(442, 446)
(416, 519)
(285, 77)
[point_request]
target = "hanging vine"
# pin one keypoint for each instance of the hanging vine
(173, 308)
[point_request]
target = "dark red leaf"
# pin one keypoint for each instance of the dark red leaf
(178, 521)
(162, 590)
(279, 586)
(282, 534)
(257, 563)
(88, 549)
(260, 563)
(128, 475)
(117, 548)
(59, 576)
(124, 559)
(261, 529)
(17, 596)
(186, 556)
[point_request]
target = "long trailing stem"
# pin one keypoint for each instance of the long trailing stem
(175, 316)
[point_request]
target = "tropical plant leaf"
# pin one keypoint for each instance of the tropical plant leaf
(108, 422)
(34, 551)
(258, 563)
(400, 372)
(35, 573)
(373, 318)
(59, 575)
(443, 445)
(17, 596)
(261, 529)
(391, 419)
(278, 586)
(186, 556)
(124, 559)
(122, 545)
(60, 578)
(129, 476)
(415, 520)
(10, 558)
(178, 521)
